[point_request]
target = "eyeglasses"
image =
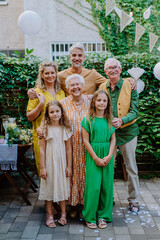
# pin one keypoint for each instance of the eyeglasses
(112, 68)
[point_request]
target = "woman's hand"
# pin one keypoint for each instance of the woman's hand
(41, 98)
(68, 172)
(99, 162)
(32, 93)
(43, 173)
(39, 132)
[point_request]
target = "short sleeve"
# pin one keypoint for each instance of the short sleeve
(85, 124)
(66, 134)
(49, 134)
(32, 104)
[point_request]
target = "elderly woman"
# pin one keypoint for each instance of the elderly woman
(76, 106)
(47, 88)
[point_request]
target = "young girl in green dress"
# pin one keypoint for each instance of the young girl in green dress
(99, 139)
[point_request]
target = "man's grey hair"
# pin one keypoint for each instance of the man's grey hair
(81, 79)
(109, 60)
(76, 45)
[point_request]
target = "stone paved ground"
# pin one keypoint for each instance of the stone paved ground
(18, 221)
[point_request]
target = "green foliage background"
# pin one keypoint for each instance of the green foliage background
(17, 75)
(109, 26)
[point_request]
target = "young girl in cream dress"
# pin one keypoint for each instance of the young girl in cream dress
(55, 161)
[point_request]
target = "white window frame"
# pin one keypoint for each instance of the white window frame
(94, 47)
(3, 3)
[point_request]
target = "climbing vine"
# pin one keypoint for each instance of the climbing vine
(109, 26)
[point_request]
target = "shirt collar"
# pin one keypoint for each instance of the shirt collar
(119, 84)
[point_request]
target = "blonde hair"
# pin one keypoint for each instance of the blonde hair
(92, 109)
(64, 121)
(40, 82)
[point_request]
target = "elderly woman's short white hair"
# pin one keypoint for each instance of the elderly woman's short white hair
(81, 79)
(76, 45)
(109, 60)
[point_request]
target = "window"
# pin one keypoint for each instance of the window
(3, 2)
(59, 49)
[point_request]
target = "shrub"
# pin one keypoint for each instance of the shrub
(17, 75)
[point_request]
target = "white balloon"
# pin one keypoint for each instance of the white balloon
(156, 71)
(140, 85)
(29, 22)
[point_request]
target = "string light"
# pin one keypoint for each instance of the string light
(131, 12)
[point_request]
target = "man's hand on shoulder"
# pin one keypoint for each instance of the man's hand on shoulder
(133, 83)
(32, 93)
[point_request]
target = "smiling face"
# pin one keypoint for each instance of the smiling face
(54, 113)
(49, 75)
(101, 102)
(75, 87)
(113, 71)
(77, 57)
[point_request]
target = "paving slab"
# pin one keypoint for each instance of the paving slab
(21, 222)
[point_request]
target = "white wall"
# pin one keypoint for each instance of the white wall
(58, 26)
(10, 36)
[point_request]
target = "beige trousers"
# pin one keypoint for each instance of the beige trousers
(128, 153)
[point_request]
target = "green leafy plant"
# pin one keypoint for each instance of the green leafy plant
(18, 135)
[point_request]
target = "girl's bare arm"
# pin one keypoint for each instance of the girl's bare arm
(42, 158)
(69, 157)
(99, 162)
(111, 149)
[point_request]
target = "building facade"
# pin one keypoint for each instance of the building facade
(11, 38)
(64, 22)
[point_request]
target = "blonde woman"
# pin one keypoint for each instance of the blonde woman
(47, 88)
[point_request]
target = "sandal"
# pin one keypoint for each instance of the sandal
(134, 207)
(91, 225)
(102, 223)
(62, 221)
(50, 221)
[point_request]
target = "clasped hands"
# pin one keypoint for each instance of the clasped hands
(102, 162)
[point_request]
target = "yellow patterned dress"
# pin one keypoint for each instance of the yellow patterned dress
(37, 122)
(79, 166)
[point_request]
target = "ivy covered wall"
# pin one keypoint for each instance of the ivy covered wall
(109, 26)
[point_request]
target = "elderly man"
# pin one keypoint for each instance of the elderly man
(125, 111)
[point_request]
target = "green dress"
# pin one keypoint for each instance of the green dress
(98, 194)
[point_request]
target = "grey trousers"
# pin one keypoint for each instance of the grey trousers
(128, 153)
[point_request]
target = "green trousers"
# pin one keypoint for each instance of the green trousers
(98, 193)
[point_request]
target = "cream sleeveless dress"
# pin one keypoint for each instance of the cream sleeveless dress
(57, 186)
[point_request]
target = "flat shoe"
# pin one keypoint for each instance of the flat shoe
(102, 223)
(50, 221)
(134, 207)
(91, 225)
(62, 221)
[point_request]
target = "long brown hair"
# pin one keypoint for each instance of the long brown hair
(107, 112)
(40, 82)
(64, 121)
